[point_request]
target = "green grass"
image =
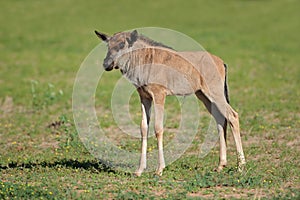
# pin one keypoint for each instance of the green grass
(42, 45)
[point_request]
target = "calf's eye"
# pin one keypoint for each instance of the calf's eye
(122, 45)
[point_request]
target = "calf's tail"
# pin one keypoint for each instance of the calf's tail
(226, 85)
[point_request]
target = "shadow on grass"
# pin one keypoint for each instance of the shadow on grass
(90, 165)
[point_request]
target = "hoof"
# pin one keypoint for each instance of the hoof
(159, 172)
(219, 168)
(137, 173)
(241, 167)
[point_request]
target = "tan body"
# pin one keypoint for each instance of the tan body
(157, 71)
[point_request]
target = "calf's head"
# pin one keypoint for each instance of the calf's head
(117, 44)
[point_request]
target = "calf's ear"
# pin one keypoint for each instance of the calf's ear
(102, 36)
(133, 37)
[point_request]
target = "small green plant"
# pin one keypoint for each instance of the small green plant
(42, 98)
(72, 136)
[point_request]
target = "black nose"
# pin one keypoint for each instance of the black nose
(108, 64)
(107, 61)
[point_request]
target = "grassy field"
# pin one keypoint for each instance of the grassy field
(42, 45)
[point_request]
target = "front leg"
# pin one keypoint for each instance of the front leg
(159, 115)
(146, 112)
(159, 95)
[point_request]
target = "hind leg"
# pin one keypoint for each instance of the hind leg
(233, 119)
(223, 148)
(221, 126)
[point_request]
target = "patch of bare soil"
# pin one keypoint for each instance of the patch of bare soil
(49, 144)
(7, 105)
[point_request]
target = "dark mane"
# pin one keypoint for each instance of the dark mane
(152, 42)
